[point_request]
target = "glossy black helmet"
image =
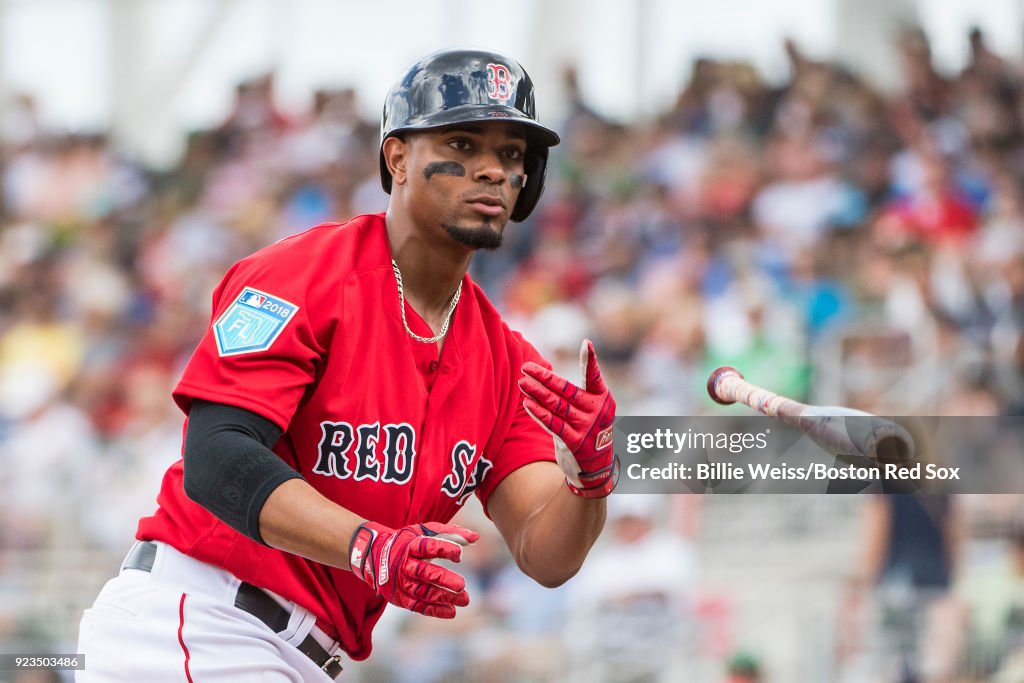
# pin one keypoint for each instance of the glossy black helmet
(460, 85)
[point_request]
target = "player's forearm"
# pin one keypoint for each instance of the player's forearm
(397, 564)
(228, 449)
(556, 535)
(554, 541)
(296, 518)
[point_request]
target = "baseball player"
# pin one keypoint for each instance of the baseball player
(354, 388)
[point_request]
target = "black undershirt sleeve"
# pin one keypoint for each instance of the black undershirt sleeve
(229, 467)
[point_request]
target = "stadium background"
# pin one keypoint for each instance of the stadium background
(839, 215)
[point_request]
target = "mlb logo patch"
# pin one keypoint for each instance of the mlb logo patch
(255, 300)
(252, 322)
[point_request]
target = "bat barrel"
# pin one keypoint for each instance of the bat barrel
(845, 431)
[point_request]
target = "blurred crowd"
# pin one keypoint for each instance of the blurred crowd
(837, 243)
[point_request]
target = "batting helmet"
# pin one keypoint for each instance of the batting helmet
(463, 85)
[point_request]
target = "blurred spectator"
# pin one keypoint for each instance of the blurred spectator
(994, 599)
(934, 212)
(806, 199)
(627, 625)
(254, 110)
(45, 454)
(912, 545)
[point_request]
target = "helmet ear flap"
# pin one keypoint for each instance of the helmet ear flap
(385, 174)
(535, 168)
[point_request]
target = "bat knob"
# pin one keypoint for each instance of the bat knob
(715, 378)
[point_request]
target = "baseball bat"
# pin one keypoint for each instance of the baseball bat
(866, 435)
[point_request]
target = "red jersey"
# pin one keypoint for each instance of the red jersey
(308, 333)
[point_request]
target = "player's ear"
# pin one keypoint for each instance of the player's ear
(396, 156)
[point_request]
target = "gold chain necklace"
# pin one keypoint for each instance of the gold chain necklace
(447, 318)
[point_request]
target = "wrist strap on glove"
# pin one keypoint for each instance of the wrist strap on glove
(598, 484)
(360, 559)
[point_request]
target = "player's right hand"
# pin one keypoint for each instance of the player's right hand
(396, 563)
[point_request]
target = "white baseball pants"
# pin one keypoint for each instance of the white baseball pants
(179, 623)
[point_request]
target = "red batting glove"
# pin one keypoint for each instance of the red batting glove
(396, 563)
(581, 421)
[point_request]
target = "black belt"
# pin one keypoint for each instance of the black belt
(253, 600)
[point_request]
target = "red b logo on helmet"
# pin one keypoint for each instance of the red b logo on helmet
(499, 82)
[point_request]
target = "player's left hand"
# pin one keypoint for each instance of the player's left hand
(581, 420)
